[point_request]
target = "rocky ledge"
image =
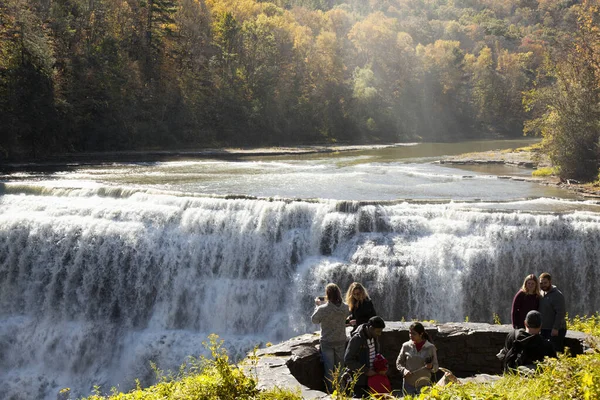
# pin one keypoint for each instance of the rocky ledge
(523, 159)
(467, 349)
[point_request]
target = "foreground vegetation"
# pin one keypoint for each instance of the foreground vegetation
(216, 378)
(105, 75)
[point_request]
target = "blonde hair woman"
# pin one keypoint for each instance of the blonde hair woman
(526, 299)
(360, 305)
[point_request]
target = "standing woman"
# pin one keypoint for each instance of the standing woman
(360, 305)
(526, 299)
(331, 313)
(417, 360)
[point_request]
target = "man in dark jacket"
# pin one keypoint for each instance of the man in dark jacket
(361, 350)
(526, 347)
(552, 307)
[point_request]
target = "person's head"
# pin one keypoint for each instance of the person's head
(417, 332)
(375, 326)
(545, 281)
(533, 322)
(356, 294)
(531, 285)
(333, 293)
(380, 363)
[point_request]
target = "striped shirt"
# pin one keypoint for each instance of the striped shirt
(371, 344)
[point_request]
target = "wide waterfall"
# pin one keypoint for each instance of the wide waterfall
(95, 284)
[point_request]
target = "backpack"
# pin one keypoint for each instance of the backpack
(515, 356)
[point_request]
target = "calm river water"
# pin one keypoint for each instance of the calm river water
(405, 172)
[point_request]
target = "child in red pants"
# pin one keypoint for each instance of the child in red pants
(380, 383)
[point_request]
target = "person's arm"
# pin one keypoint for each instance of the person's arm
(516, 307)
(434, 362)
(559, 312)
(508, 343)
(401, 362)
(350, 318)
(351, 357)
(317, 315)
(372, 312)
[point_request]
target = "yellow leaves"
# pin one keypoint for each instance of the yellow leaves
(588, 379)
(302, 37)
(375, 32)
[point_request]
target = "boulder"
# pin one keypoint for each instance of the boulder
(467, 349)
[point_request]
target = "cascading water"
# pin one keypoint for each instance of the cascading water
(96, 284)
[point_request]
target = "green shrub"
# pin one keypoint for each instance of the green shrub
(544, 171)
(204, 379)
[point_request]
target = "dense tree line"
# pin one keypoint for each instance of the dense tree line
(104, 75)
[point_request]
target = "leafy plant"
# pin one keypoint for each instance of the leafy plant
(544, 171)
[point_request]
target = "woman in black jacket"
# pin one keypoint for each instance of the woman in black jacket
(360, 305)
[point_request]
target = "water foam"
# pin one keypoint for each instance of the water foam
(94, 285)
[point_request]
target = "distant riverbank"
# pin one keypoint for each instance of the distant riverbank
(525, 159)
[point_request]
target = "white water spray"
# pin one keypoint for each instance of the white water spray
(94, 284)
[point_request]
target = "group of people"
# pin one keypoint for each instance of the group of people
(544, 297)
(538, 316)
(417, 359)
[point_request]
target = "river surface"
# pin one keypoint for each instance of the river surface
(106, 268)
(404, 172)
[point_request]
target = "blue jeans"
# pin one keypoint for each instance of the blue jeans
(332, 357)
(558, 342)
(410, 389)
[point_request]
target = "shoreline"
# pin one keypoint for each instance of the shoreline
(524, 159)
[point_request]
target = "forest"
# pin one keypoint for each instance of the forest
(113, 75)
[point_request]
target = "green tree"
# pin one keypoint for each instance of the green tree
(27, 110)
(569, 111)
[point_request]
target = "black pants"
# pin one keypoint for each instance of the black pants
(557, 341)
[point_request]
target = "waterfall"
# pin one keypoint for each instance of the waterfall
(96, 283)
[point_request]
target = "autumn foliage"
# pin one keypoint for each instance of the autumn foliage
(105, 75)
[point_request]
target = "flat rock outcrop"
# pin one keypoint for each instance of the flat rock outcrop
(467, 349)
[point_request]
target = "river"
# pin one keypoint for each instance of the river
(105, 268)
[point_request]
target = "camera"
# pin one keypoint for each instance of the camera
(322, 298)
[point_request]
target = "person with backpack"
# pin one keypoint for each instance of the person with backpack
(526, 347)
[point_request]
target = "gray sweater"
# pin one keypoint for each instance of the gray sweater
(333, 322)
(552, 307)
(415, 361)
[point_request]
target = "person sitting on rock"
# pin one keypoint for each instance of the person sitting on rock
(417, 360)
(361, 351)
(524, 348)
